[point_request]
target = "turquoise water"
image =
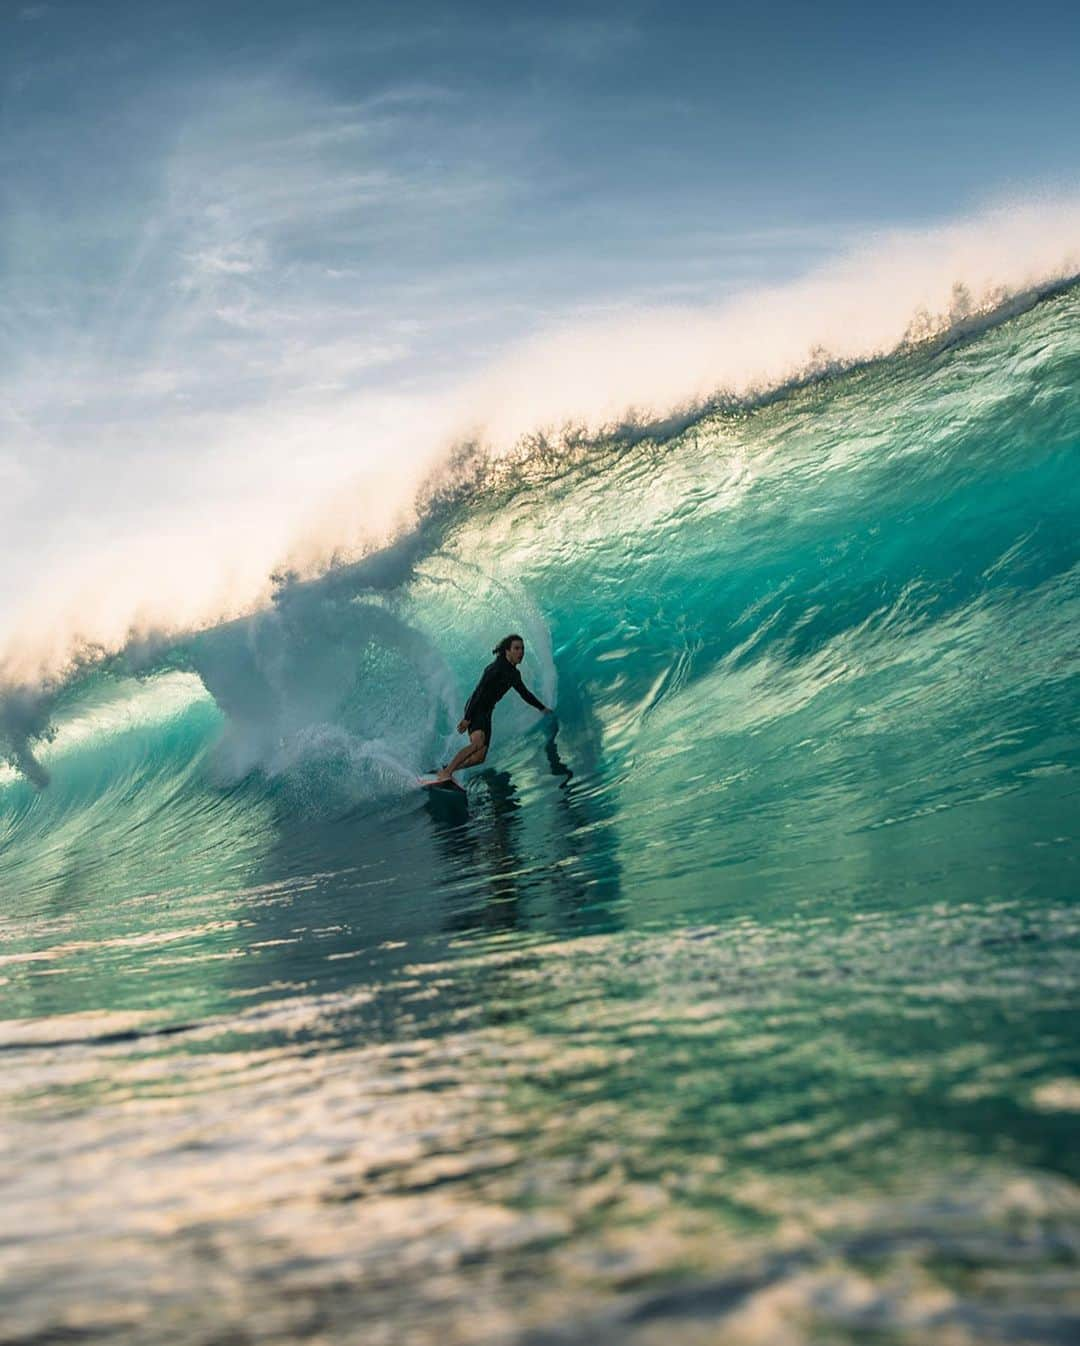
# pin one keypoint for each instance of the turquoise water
(739, 1006)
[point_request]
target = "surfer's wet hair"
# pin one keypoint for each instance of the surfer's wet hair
(506, 642)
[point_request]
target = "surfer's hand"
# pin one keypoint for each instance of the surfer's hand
(463, 727)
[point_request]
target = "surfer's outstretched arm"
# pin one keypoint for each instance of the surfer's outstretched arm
(527, 696)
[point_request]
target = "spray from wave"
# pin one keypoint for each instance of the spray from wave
(187, 571)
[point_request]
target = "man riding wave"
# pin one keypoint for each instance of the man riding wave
(495, 681)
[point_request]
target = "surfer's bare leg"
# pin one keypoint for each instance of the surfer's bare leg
(472, 754)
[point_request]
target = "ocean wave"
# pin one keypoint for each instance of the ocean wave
(873, 576)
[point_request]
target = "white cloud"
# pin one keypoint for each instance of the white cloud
(237, 259)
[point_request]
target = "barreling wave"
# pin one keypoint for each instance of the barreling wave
(813, 615)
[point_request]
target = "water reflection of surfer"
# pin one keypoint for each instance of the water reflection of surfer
(495, 681)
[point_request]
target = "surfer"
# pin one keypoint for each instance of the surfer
(495, 681)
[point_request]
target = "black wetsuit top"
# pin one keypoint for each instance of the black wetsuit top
(495, 681)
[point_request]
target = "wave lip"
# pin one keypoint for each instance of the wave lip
(192, 571)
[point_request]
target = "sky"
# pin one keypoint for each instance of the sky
(245, 243)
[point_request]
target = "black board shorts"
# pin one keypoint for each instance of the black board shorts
(482, 722)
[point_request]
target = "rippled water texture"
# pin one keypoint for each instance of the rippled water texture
(740, 1004)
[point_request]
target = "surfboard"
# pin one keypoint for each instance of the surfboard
(444, 786)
